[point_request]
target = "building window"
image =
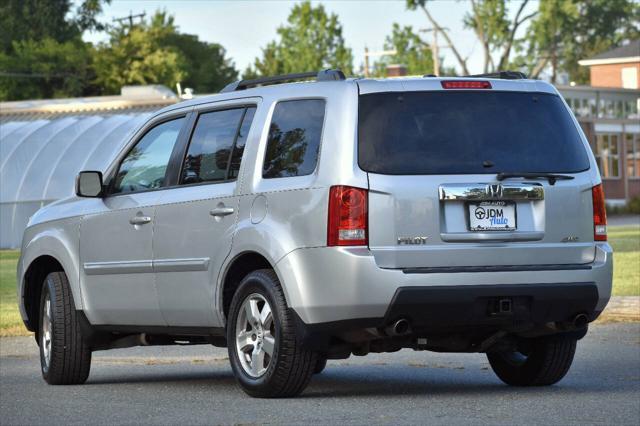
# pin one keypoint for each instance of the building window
(585, 107)
(631, 108)
(629, 77)
(619, 109)
(608, 155)
(633, 154)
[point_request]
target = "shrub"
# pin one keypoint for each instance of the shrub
(632, 207)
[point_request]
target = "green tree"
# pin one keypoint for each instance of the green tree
(207, 69)
(155, 52)
(311, 40)
(561, 33)
(45, 19)
(491, 25)
(136, 55)
(41, 49)
(488, 20)
(410, 50)
(566, 31)
(45, 69)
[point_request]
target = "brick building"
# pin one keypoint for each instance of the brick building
(617, 68)
(608, 113)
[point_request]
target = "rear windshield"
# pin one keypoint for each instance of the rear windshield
(467, 133)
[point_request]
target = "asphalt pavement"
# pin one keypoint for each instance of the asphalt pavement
(194, 385)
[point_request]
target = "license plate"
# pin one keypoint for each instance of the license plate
(492, 216)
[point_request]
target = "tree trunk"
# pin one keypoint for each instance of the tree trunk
(437, 27)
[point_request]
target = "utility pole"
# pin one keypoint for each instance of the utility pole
(130, 18)
(435, 53)
(435, 48)
(366, 62)
(367, 54)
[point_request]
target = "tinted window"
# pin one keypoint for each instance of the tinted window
(467, 132)
(241, 140)
(294, 138)
(145, 165)
(208, 155)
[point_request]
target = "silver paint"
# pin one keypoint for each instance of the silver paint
(196, 232)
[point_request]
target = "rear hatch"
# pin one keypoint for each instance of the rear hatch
(446, 185)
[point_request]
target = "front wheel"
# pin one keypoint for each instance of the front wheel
(65, 357)
(265, 355)
(535, 362)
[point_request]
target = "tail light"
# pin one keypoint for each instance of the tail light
(348, 216)
(466, 84)
(599, 214)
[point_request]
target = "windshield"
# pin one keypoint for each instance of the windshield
(467, 132)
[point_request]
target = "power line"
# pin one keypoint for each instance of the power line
(130, 18)
(36, 74)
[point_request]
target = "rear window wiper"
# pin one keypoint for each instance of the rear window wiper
(552, 177)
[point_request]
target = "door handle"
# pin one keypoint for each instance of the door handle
(139, 220)
(221, 211)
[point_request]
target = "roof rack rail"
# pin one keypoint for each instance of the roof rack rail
(323, 75)
(504, 75)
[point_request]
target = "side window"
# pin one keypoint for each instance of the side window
(145, 166)
(238, 148)
(294, 138)
(211, 146)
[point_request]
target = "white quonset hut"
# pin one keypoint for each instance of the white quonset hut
(45, 143)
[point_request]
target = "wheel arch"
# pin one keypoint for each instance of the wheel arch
(256, 246)
(44, 254)
(241, 265)
(34, 277)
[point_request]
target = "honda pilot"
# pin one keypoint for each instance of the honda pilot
(300, 222)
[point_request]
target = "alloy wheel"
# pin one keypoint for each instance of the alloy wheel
(46, 332)
(255, 335)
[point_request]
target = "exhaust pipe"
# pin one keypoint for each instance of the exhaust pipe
(580, 321)
(398, 328)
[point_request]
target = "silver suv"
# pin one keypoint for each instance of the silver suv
(295, 223)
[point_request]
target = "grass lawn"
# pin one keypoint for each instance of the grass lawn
(626, 276)
(625, 241)
(10, 322)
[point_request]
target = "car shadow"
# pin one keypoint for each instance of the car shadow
(360, 381)
(186, 378)
(372, 382)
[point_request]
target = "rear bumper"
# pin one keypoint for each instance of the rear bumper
(471, 314)
(528, 306)
(329, 285)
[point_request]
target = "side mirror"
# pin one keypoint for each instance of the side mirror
(89, 184)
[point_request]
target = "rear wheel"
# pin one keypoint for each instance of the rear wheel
(536, 362)
(320, 365)
(65, 358)
(265, 355)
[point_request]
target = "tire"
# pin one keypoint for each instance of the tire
(65, 357)
(320, 365)
(537, 362)
(285, 372)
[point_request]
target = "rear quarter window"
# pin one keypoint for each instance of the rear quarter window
(294, 138)
(463, 132)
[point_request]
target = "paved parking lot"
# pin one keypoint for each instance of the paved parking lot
(194, 385)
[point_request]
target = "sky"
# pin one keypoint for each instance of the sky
(243, 27)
